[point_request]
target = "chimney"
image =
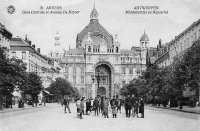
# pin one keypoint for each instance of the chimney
(26, 39)
(33, 46)
(38, 50)
(29, 43)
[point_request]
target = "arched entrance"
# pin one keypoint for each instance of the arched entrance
(103, 80)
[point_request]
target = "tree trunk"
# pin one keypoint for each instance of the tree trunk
(197, 92)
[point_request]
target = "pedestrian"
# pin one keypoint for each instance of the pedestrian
(96, 106)
(81, 108)
(101, 105)
(66, 104)
(44, 101)
(84, 109)
(78, 105)
(113, 104)
(135, 108)
(88, 106)
(105, 107)
(128, 106)
(91, 107)
(141, 107)
(119, 104)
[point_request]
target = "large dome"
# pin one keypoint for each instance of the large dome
(93, 28)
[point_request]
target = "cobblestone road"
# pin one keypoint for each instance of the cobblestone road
(52, 118)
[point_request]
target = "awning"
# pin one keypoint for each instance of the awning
(47, 92)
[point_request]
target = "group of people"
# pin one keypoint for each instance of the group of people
(102, 105)
(98, 105)
(134, 105)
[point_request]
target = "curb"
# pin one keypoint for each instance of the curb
(175, 109)
(20, 109)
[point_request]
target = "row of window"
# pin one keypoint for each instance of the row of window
(74, 70)
(75, 79)
(130, 71)
(23, 55)
(4, 42)
(144, 44)
(131, 60)
(74, 59)
(184, 42)
(108, 50)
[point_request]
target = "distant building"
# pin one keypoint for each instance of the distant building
(36, 62)
(58, 52)
(99, 55)
(178, 46)
(162, 55)
(5, 37)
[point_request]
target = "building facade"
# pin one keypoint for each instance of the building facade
(5, 37)
(36, 62)
(98, 65)
(178, 46)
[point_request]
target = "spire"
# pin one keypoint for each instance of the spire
(94, 13)
(57, 38)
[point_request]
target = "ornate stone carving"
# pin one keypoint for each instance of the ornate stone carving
(103, 57)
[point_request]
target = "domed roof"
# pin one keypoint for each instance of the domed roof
(94, 28)
(144, 37)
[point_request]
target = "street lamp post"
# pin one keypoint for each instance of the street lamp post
(98, 78)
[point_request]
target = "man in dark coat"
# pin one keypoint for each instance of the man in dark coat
(113, 104)
(66, 104)
(96, 106)
(135, 106)
(141, 107)
(88, 106)
(128, 106)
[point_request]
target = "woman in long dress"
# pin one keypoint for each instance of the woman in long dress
(105, 107)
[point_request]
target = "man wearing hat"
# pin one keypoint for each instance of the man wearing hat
(66, 104)
(114, 104)
(141, 107)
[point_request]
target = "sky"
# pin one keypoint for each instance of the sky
(41, 28)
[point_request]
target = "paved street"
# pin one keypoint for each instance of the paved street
(52, 118)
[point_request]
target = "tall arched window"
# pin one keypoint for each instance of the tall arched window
(89, 48)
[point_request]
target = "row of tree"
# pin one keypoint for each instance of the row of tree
(161, 85)
(13, 76)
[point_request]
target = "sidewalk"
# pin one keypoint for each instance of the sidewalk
(187, 109)
(15, 108)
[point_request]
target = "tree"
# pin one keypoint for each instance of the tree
(192, 67)
(136, 87)
(33, 86)
(60, 87)
(12, 75)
